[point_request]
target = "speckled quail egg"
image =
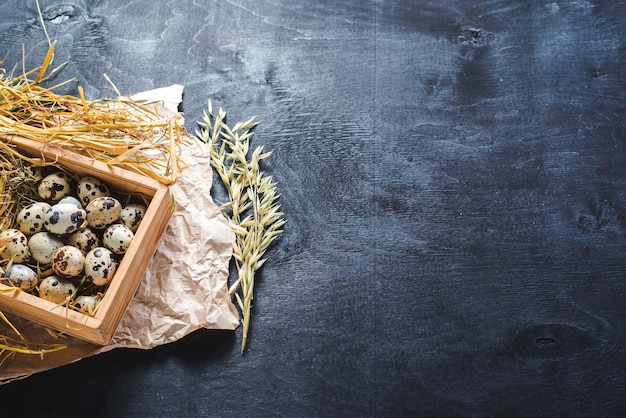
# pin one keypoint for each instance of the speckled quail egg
(13, 245)
(87, 304)
(84, 239)
(132, 215)
(54, 186)
(117, 238)
(21, 276)
(72, 200)
(68, 261)
(42, 245)
(89, 188)
(64, 218)
(30, 219)
(56, 289)
(103, 211)
(100, 266)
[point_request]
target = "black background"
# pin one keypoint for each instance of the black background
(453, 175)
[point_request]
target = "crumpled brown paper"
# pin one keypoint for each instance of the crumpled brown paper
(185, 284)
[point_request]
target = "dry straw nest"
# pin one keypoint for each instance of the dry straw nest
(140, 137)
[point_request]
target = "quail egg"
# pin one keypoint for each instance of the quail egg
(56, 289)
(21, 276)
(132, 215)
(89, 188)
(87, 304)
(68, 261)
(64, 218)
(13, 245)
(103, 211)
(100, 266)
(30, 219)
(72, 200)
(117, 238)
(42, 245)
(54, 186)
(84, 239)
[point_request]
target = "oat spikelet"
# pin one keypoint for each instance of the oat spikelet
(252, 210)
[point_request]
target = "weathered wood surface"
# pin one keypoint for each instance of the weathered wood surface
(454, 178)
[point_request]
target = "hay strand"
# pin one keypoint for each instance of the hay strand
(104, 129)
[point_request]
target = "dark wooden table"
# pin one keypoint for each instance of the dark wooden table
(454, 178)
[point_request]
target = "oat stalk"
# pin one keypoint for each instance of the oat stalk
(252, 209)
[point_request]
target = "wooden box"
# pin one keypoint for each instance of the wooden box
(100, 328)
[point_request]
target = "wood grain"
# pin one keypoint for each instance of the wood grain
(453, 177)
